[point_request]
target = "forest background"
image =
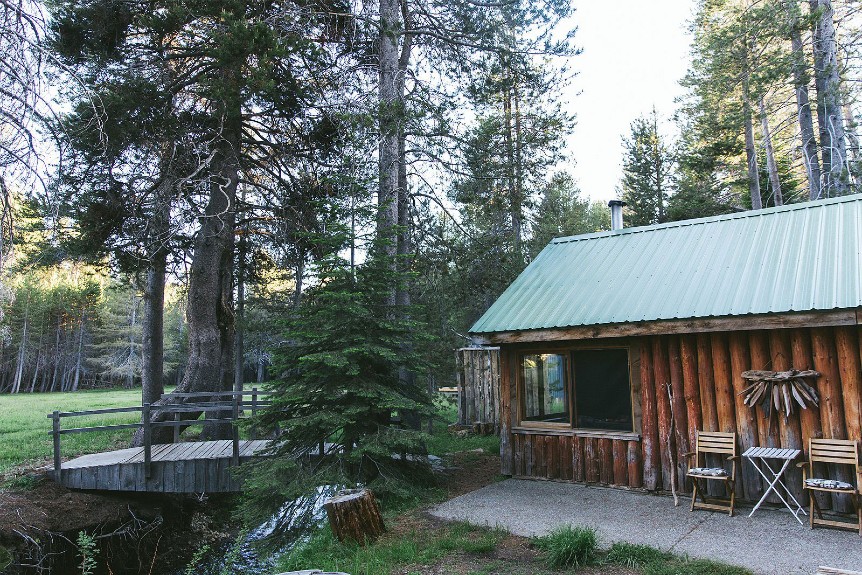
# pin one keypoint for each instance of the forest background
(183, 182)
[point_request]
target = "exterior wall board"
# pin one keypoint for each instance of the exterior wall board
(703, 373)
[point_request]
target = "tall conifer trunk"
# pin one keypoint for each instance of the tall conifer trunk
(153, 338)
(390, 120)
(803, 104)
(751, 158)
(210, 314)
(771, 165)
(827, 83)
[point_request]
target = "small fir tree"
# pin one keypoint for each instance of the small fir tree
(339, 389)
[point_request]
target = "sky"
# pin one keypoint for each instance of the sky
(634, 54)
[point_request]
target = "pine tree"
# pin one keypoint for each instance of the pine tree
(340, 389)
(647, 165)
(563, 212)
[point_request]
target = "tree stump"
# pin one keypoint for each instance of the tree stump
(354, 515)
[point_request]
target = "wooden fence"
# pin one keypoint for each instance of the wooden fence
(479, 385)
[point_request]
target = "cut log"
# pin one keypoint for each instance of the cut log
(354, 515)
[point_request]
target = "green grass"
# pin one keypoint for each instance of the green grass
(25, 428)
(636, 556)
(442, 441)
(323, 551)
(568, 547)
(651, 561)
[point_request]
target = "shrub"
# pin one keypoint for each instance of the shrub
(636, 556)
(568, 546)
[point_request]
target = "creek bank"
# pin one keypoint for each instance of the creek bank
(133, 533)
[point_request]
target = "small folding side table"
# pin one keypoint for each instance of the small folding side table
(753, 454)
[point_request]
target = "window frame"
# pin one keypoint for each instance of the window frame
(633, 355)
(522, 404)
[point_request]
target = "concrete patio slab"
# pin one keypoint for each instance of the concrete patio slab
(770, 543)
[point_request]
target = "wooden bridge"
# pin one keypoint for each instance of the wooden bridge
(178, 467)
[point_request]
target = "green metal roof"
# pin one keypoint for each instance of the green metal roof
(800, 257)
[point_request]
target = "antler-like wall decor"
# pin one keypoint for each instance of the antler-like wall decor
(779, 390)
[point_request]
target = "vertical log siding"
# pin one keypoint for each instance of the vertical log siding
(703, 374)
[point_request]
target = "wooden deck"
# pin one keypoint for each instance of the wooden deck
(192, 467)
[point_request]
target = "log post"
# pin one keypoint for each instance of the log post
(661, 370)
(831, 403)
(746, 424)
(148, 439)
(649, 422)
(788, 428)
(58, 465)
(354, 515)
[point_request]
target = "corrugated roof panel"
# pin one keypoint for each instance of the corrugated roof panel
(793, 258)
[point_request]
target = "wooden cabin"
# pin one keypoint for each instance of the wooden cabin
(615, 347)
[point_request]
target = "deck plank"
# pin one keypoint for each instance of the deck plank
(190, 467)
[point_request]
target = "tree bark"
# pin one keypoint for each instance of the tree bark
(80, 354)
(751, 158)
(853, 141)
(153, 337)
(771, 165)
(391, 117)
(22, 351)
(209, 313)
(828, 85)
(354, 516)
(803, 105)
(239, 341)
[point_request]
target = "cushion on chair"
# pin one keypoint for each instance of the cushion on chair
(828, 484)
(708, 471)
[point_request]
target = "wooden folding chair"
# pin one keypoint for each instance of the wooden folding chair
(836, 451)
(722, 444)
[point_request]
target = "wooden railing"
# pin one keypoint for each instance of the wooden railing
(236, 404)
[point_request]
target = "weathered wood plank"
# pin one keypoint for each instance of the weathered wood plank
(691, 384)
(517, 455)
(620, 463)
(566, 459)
(746, 426)
(552, 456)
(578, 467)
(724, 397)
(667, 445)
(591, 460)
(828, 384)
(847, 350)
(789, 429)
(680, 409)
(706, 384)
(809, 419)
(606, 461)
(635, 464)
(506, 415)
(831, 403)
(767, 427)
(649, 445)
(664, 327)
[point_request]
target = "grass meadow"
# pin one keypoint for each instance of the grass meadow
(25, 428)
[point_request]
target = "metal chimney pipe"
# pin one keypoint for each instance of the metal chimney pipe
(616, 214)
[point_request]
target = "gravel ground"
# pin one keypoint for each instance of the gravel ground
(770, 543)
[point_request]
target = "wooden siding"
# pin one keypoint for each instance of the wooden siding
(702, 372)
(479, 385)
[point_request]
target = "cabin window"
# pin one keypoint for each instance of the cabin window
(545, 391)
(602, 389)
